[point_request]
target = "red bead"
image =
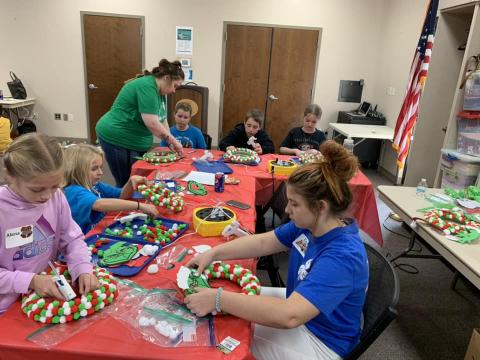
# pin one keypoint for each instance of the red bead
(74, 309)
(94, 301)
(77, 301)
(69, 317)
(90, 311)
(55, 311)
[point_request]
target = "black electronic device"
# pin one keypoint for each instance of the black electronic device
(238, 204)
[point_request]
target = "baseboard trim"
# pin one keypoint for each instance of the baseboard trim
(384, 172)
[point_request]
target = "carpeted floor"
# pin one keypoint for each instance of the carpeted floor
(434, 322)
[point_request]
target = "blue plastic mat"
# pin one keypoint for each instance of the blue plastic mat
(122, 269)
(213, 167)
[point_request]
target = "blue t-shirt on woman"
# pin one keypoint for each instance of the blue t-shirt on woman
(331, 272)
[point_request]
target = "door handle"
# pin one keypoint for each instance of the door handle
(272, 97)
(92, 86)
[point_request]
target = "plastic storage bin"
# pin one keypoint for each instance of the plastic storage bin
(468, 140)
(458, 170)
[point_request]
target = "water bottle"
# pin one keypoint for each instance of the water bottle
(422, 188)
(348, 144)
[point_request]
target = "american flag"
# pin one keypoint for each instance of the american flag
(418, 73)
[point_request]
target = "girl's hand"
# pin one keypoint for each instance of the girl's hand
(202, 302)
(298, 152)
(137, 180)
(149, 209)
(45, 286)
(87, 283)
(258, 149)
(201, 261)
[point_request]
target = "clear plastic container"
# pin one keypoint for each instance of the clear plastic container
(468, 140)
(422, 188)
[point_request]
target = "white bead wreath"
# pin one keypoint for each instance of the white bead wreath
(241, 156)
(54, 311)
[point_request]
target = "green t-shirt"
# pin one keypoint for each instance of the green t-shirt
(123, 125)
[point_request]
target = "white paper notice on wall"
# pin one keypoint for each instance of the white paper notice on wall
(184, 40)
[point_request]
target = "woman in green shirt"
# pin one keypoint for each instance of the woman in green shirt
(139, 112)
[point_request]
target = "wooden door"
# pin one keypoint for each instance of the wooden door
(113, 54)
(292, 71)
(247, 61)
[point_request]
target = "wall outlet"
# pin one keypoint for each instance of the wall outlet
(57, 116)
(67, 117)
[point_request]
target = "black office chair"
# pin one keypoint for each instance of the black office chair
(278, 203)
(208, 141)
(382, 299)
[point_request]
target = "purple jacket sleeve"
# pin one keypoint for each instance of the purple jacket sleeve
(72, 243)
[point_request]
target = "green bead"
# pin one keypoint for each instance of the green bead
(36, 317)
(60, 311)
(89, 297)
(56, 303)
(76, 316)
(55, 320)
(71, 303)
(43, 312)
(81, 306)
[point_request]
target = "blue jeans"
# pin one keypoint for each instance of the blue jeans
(120, 161)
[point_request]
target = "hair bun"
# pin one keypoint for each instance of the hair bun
(344, 163)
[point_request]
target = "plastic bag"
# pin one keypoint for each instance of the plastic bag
(163, 320)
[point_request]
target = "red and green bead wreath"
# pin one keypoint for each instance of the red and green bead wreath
(306, 158)
(54, 311)
(188, 280)
(453, 222)
(161, 157)
(241, 156)
(160, 195)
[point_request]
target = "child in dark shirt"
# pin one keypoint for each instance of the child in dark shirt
(305, 138)
(241, 133)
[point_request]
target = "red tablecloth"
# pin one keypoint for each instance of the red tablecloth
(363, 207)
(109, 338)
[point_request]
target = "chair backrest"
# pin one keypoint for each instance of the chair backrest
(208, 141)
(381, 302)
(279, 201)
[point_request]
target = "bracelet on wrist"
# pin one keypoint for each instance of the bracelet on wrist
(218, 299)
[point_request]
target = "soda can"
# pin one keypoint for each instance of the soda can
(219, 181)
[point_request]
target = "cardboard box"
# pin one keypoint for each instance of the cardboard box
(473, 351)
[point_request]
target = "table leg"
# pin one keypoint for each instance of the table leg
(409, 248)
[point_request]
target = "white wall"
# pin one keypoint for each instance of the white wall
(370, 39)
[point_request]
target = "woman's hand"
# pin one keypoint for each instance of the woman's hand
(149, 209)
(137, 180)
(201, 261)
(175, 144)
(87, 283)
(202, 302)
(44, 286)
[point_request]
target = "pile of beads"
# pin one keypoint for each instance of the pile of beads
(248, 282)
(162, 157)
(452, 222)
(196, 188)
(241, 156)
(53, 311)
(306, 158)
(160, 195)
(94, 248)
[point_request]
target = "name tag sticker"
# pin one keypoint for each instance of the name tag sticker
(18, 236)
(301, 244)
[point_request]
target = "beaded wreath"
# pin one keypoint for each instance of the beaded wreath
(160, 157)
(248, 282)
(160, 195)
(241, 156)
(54, 311)
(453, 222)
(306, 158)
